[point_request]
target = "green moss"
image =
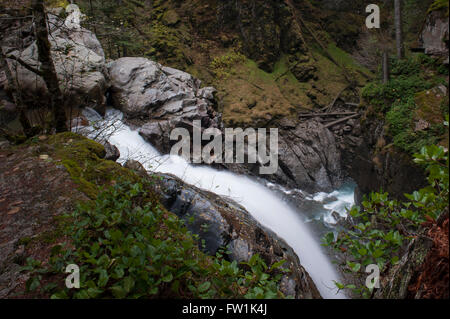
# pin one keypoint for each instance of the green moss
(24, 241)
(56, 3)
(83, 160)
(223, 65)
(250, 96)
(439, 5)
(344, 59)
(170, 18)
(429, 106)
(407, 99)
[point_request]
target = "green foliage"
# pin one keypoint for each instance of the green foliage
(127, 246)
(138, 28)
(399, 118)
(382, 95)
(222, 65)
(406, 80)
(396, 100)
(383, 227)
(439, 5)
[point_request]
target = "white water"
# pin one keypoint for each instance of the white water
(261, 202)
(337, 201)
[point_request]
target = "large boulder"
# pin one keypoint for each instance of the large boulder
(309, 157)
(434, 35)
(160, 98)
(79, 62)
(221, 222)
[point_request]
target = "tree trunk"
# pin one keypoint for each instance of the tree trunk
(385, 66)
(23, 119)
(48, 67)
(398, 29)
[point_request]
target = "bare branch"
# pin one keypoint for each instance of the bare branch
(25, 65)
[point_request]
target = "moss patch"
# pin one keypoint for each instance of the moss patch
(83, 160)
(251, 96)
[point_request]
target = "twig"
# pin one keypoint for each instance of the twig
(341, 120)
(25, 65)
(327, 114)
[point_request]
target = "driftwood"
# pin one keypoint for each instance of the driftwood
(327, 114)
(341, 120)
(330, 106)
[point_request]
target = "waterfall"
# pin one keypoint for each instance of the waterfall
(265, 205)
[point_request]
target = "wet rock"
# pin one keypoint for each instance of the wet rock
(160, 97)
(158, 134)
(8, 112)
(112, 152)
(308, 155)
(79, 62)
(434, 35)
(222, 222)
(135, 166)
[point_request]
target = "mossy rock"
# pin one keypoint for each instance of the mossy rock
(83, 159)
(56, 3)
(428, 104)
(170, 18)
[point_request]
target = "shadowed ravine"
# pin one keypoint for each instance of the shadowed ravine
(264, 204)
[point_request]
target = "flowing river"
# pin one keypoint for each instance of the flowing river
(261, 200)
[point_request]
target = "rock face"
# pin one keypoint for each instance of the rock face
(112, 152)
(396, 283)
(373, 166)
(267, 28)
(161, 97)
(434, 36)
(222, 222)
(310, 158)
(79, 61)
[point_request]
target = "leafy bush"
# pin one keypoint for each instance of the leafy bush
(127, 246)
(222, 65)
(399, 118)
(408, 66)
(395, 101)
(439, 5)
(383, 227)
(399, 88)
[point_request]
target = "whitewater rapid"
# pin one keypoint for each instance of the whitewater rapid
(261, 202)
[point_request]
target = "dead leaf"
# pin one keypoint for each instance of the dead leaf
(14, 211)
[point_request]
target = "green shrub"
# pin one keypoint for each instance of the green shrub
(400, 127)
(399, 88)
(222, 65)
(395, 101)
(409, 66)
(127, 246)
(439, 5)
(384, 227)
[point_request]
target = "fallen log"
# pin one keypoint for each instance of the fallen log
(341, 120)
(327, 114)
(330, 106)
